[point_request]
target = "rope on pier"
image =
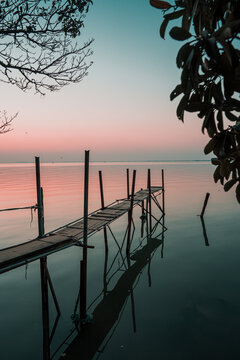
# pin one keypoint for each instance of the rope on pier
(33, 207)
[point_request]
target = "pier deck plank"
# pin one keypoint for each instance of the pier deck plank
(69, 234)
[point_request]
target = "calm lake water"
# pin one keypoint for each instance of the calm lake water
(184, 301)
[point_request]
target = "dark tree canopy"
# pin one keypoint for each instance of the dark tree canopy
(210, 75)
(38, 43)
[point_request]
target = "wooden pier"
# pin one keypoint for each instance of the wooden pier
(70, 234)
(77, 233)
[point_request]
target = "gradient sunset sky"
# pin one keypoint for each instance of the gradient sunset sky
(121, 110)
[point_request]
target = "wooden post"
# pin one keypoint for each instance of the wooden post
(45, 308)
(205, 204)
(130, 212)
(39, 199)
(163, 193)
(149, 199)
(83, 276)
(101, 189)
(85, 209)
(128, 193)
(103, 206)
(83, 303)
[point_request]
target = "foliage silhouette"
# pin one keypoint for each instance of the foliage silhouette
(210, 76)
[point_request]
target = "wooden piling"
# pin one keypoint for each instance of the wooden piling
(103, 207)
(83, 281)
(85, 205)
(128, 191)
(39, 199)
(163, 192)
(101, 189)
(205, 204)
(130, 212)
(149, 199)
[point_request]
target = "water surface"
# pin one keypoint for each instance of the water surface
(185, 301)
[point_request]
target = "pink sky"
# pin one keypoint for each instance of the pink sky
(120, 111)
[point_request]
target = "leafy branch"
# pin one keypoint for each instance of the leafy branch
(209, 61)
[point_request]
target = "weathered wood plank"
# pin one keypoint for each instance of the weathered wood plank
(71, 233)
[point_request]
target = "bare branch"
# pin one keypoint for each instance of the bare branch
(6, 122)
(37, 46)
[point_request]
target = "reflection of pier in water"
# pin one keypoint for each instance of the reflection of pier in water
(92, 338)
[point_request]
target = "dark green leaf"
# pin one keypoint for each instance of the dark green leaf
(186, 81)
(228, 86)
(211, 125)
(231, 116)
(212, 49)
(183, 54)
(229, 184)
(210, 146)
(180, 34)
(216, 174)
(238, 193)
(220, 120)
(194, 106)
(206, 120)
(217, 92)
(224, 169)
(177, 91)
(181, 107)
(215, 161)
(174, 15)
(163, 28)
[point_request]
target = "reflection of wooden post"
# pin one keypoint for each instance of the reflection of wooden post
(83, 303)
(101, 189)
(128, 193)
(131, 212)
(83, 285)
(105, 262)
(163, 226)
(132, 301)
(142, 218)
(204, 232)
(149, 200)
(45, 308)
(39, 199)
(103, 206)
(163, 193)
(142, 205)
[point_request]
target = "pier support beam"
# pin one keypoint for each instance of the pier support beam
(103, 207)
(39, 199)
(149, 199)
(131, 212)
(163, 193)
(101, 189)
(83, 273)
(128, 191)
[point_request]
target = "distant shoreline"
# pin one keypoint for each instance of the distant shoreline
(106, 162)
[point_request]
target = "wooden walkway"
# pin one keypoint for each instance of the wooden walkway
(69, 234)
